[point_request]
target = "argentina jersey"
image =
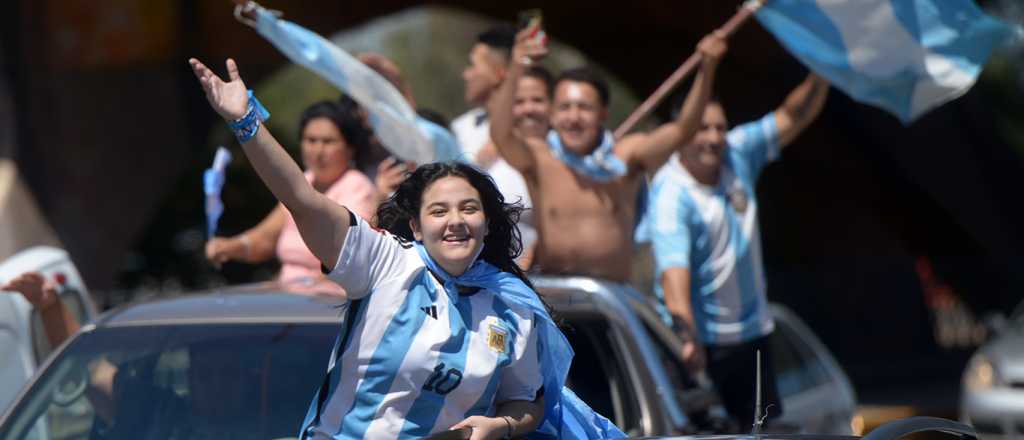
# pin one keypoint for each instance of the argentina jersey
(713, 232)
(416, 359)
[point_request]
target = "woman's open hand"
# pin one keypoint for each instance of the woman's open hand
(229, 99)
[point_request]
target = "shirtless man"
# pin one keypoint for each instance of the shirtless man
(583, 183)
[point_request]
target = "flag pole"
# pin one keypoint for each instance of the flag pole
(746, 11)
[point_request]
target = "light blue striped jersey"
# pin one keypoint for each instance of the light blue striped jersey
(417, 359)
(713, 232)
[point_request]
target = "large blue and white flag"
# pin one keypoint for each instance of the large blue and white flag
(395, 123)
(905, 56)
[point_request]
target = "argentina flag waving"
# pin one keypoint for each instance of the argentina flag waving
(394, 121)
(905, 56)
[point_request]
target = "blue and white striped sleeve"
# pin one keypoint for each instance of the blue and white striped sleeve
(368, 258)
(670, 233)
(755, 143)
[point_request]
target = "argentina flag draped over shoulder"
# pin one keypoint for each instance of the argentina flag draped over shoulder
(905, 56)
(395, 123)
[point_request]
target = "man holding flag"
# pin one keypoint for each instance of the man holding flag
(707, 247)
(906, 57)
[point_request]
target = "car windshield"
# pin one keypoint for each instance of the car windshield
(252, 381)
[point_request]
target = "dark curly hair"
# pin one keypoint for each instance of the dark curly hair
(503, 243)
(346, 116)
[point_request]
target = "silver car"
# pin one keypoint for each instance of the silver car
(245, 362)
(627, 366)
(992, 393)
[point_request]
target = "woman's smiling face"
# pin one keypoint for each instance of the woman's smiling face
(451, 223)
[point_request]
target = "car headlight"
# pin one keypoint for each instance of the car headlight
(981, 374)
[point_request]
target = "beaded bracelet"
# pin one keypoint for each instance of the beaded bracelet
(245, 128)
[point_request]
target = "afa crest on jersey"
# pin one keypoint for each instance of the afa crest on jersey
(496, 338)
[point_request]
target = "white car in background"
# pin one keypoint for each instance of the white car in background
(992, 390)
(23, 342)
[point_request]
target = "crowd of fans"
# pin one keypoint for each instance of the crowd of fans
(582, 200)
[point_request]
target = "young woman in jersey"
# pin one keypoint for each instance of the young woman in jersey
(442, 330)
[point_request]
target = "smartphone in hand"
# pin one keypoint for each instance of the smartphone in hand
(530, 18)
(533, 19)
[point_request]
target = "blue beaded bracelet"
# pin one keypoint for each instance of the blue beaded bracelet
(246, 127)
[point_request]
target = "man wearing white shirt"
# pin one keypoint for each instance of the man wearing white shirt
(488, 60)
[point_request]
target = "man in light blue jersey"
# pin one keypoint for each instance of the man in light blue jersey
(707, 244)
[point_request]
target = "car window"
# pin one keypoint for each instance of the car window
(171, 382)
(700, 403)
(797, 367)
(677, 375)
(41, 347)
(598, 375)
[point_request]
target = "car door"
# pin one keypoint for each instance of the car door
(599, 374)
(816, 394)
(617, 368)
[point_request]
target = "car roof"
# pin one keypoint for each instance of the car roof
(275, 302)
(255, 303)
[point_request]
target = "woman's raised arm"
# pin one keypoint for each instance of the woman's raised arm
(322, 223)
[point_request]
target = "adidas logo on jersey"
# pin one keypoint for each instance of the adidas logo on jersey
(431, 311)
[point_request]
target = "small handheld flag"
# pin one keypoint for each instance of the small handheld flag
(213, 182)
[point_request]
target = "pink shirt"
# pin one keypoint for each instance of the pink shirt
(300, 269)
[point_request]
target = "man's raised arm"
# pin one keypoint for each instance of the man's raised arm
(510, 144)
(649, 151)
(801, 107)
